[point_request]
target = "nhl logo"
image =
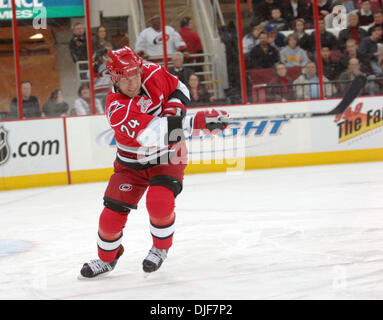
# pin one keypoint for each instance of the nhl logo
(4, 147)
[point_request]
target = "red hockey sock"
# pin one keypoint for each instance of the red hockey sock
(109, 238)
(160, 205)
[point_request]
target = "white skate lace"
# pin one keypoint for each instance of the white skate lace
(156, 255)
(98, 266)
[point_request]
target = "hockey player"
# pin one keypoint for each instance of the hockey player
(147, 112)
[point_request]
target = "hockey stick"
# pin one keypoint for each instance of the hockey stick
(356, 87)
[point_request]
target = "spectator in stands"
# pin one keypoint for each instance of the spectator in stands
(178, 68)
(325, 7)
(296, 9)
(77, 45)
(352, 71)
(369, 49)
(350, 52)
(353, 31)
(83, 104)
(250, 40)
(124, 41)
(292, 55)
(330, 66)
(304, 40)
(3, 115)
(99, 59)
(262, 11)
(348, 4)
(365, 14)
(55, 106)
(263, 55)
(102, 77)
(327, 38)
(307, 85)
(276, 18)
(108, 46)
(277, 39)
(102, 39)
(334, 18)
(378, 22)
(31, 105)
(281, 88)
(198, 94)
(191, 38)
(150, 40)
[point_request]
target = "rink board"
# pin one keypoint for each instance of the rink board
(82, 149)
(32, 153)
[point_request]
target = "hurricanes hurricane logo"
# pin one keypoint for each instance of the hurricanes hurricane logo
(126, 187)
(4, 147)
(159, 39)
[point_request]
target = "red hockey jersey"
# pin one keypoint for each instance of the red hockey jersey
(140, 132)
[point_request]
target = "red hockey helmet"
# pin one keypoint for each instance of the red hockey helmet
(123, 63)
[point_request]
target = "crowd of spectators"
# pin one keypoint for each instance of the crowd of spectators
(282, 37)
(55, 106)
(180, 45)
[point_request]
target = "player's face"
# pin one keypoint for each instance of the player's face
(130, 86)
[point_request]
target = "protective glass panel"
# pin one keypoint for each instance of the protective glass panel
(196, 50)
(52, 43)
(8, 88)
(277, 46)
(224, 39)
(188, 57)
(351, 37)
(110, 31)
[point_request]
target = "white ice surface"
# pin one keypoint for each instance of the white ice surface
(297, 233)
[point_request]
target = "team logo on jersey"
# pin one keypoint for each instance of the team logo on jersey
(113, 107)
(159, 39)
(126, 187)
(144, 104)
(4, 147)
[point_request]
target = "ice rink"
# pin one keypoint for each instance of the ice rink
(294, 233)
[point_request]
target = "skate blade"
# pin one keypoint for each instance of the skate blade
(101, 276)
(147, 274)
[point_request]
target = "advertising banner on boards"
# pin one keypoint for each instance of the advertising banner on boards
(32, 147)
(30, 9)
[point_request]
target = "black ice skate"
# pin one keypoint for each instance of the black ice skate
(154, 259)
(98, 268)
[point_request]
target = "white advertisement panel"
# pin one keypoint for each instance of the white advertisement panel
(91, 143)
(360, 127)
(30, 147)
